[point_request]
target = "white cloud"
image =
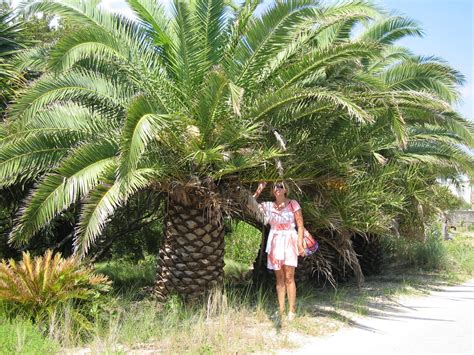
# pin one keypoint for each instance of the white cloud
(117, 7)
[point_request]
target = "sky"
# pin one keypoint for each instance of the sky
(448, 33)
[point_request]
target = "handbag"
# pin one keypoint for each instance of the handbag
(310, 245)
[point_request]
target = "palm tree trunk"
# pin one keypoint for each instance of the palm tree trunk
(191, 261)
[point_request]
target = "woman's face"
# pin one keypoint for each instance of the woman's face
(279, 189)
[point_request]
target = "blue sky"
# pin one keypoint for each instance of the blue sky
(449, 34)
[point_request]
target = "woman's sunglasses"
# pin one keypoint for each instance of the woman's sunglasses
(278, 186)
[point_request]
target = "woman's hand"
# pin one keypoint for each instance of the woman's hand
(260, 188)
(300, 249)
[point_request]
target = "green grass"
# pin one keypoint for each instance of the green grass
(447, 259)
(460, 258)
(426, 255)
(128, 275)
(19, 336)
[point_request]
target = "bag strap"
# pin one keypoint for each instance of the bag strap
(291, 206)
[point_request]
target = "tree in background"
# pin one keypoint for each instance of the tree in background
(198, 105)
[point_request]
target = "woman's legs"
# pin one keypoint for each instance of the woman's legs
(281, 289)
(289, 276)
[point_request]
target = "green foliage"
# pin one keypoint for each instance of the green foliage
(214, 96)
(19, 336)
(10, 43)
(242, 243)
(428, 255)
(461, 255)
(129, 275)
(38, 288)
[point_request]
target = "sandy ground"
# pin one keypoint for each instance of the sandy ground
(441, 323)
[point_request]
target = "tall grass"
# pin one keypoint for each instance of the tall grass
(448, 259)
(19, 336)
(222, 323)
(460, 258)
(427, 255)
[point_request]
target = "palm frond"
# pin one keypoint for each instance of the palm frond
(211, 103)
(320, 59)
(388, 30)
(59, 119)
(143, 124)
(101, 204)
(32, 58)
(211, 18)
(289, 97)
(83, 13)
(74, 178)
(438, 154)
(85, 43)
(74, 85)
(186, 57)
(266, 37)
(26, 159)
(152, 17)
(429, 74)
(242, 19)
(388, 56)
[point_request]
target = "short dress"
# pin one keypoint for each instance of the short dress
(282, 243)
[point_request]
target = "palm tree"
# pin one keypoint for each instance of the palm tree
(365, 173)
(10, 43)
(201, 102)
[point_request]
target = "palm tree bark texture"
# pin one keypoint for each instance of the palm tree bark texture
(191, 260)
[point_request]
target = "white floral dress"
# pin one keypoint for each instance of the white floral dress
(282, 243)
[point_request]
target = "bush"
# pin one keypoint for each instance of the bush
(127, 274)
(429, 255)
(242, 243)
(40, 288)
(461, 255)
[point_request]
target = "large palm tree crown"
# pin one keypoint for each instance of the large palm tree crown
(209, 97)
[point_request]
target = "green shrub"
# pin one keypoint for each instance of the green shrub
(429, 254)
(127, 274)
(242, 243)
(19, 336)
(40, 288)
(461, 255)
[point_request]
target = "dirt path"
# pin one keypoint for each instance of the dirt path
(441, 323)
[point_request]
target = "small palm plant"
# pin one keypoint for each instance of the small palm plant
(38, 287)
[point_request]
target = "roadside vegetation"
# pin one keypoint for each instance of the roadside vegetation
(239, 319)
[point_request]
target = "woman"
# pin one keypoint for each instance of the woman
(285, 242)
